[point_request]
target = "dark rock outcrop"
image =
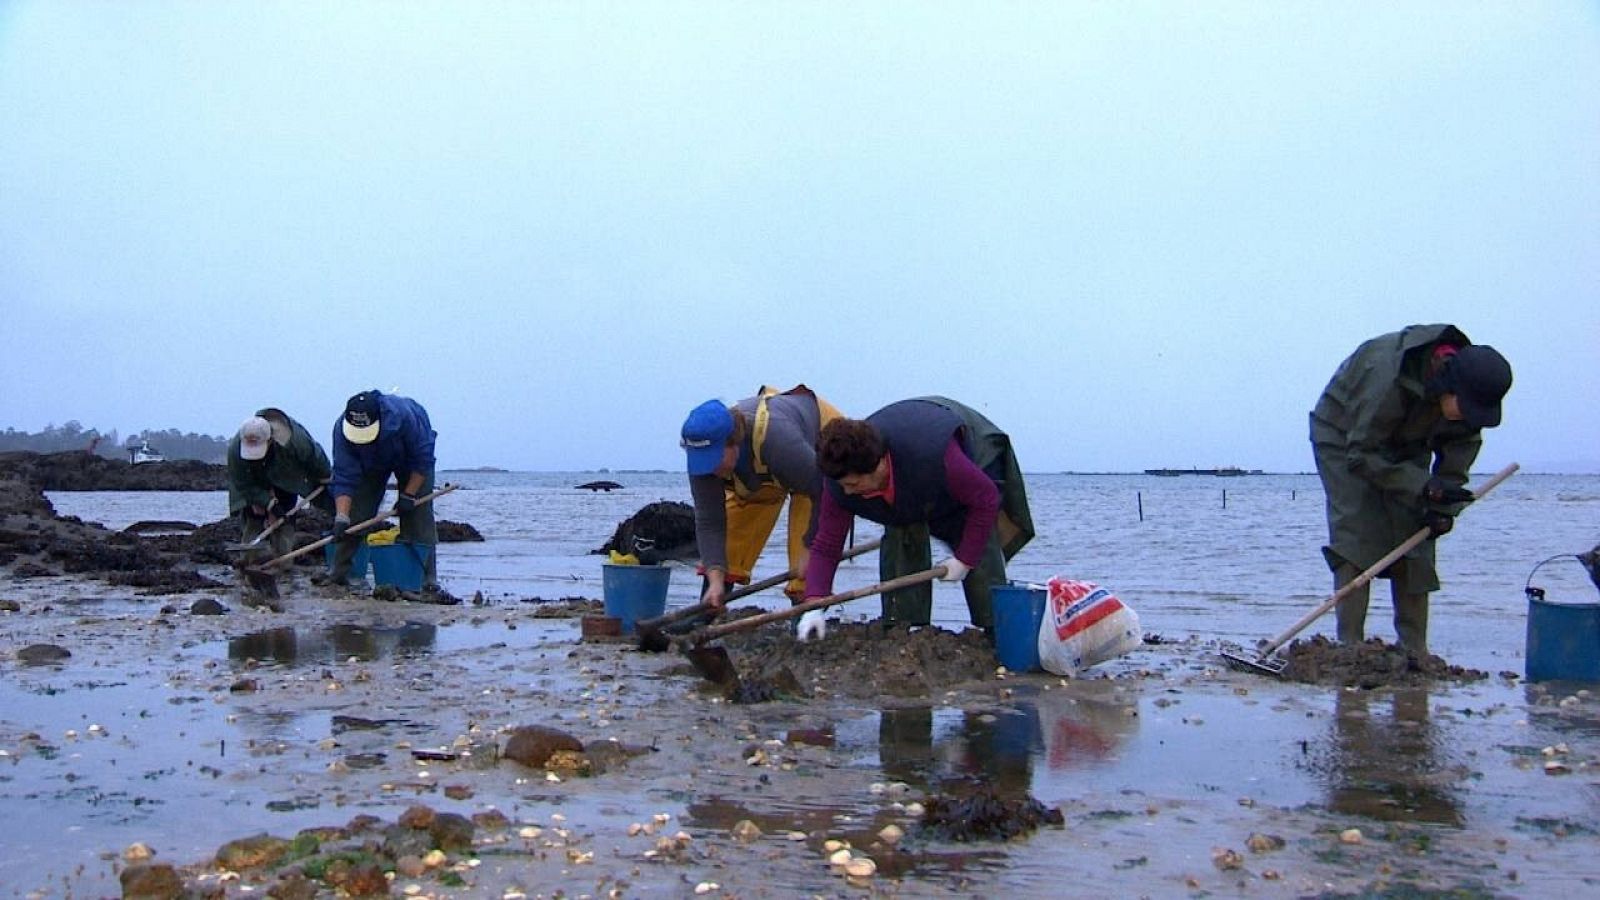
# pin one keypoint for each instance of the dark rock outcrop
(75, 470)
(660, 531)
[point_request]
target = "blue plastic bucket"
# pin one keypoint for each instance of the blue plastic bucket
(1018, 610)
(399, 564)
(1563, 640)
(632, 593)
(358, 563)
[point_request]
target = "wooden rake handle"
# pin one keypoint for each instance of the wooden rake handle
(775, 580)
(357, 528)
(689, 612)
(799, 609)
(1375, 569)
(302, 504)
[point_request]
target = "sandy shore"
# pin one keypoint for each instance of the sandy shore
(1175, 775)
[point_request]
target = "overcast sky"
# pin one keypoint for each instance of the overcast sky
(1135, 235)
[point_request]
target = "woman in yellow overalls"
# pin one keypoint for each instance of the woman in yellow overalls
(744, 461)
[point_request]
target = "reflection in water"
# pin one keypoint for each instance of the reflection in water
(1387, 760)
(293, 646)
(941, 751)
(999, 747)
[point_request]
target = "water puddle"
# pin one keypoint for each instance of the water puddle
(292, 646)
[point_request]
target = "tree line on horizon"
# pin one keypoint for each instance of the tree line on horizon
(170, 442)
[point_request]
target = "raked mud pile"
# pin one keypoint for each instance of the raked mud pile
(1371, 664)
(865, 659)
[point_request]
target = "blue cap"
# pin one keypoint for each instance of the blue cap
(705, 433)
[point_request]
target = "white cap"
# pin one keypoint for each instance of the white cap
(254, 437)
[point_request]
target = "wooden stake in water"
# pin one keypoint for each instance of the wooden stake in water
(1139, 495)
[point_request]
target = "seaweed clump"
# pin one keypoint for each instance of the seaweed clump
(984, 815)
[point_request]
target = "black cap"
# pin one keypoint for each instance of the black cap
(1479, 378)
(361, 418)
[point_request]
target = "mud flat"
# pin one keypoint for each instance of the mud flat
(254, 753)
(351, 746)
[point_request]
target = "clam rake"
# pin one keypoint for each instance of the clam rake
(267, 532)
(1265, 661)
(655, 635)
(354, 530)
(713, 662)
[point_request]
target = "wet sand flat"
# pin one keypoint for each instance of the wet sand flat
(1175, 776)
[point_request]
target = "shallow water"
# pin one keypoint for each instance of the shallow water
(1152, 773)
(1228, 558)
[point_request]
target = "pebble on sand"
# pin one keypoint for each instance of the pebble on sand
(1350, 836)
(860, 868)
(1263, 843)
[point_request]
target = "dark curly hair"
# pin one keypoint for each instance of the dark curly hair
(848, 447)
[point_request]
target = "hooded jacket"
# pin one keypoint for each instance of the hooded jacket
(1379, 435)
(295, 467)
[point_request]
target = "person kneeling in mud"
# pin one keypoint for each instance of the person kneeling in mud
(921, 467)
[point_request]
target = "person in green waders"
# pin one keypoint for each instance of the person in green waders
(928, 466)
(1395, 433)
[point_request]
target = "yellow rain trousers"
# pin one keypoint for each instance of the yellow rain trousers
(751, 519)
(753, 514)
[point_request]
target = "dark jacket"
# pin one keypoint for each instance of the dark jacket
(294, 467)
(404, 445)
(1379, 435)
(916, 433)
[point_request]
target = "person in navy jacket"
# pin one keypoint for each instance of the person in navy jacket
(382, 436)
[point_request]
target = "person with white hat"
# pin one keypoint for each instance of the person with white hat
(273, 461)
(380, 436)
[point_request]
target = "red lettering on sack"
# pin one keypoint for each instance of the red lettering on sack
(1078, 622)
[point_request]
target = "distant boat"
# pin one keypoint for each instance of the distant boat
(145, 453)
(1220, 472)
(599, 486)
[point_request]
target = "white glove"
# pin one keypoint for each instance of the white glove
(955, 570)
(812, 625)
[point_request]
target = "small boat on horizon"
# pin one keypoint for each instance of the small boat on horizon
(144, 453)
